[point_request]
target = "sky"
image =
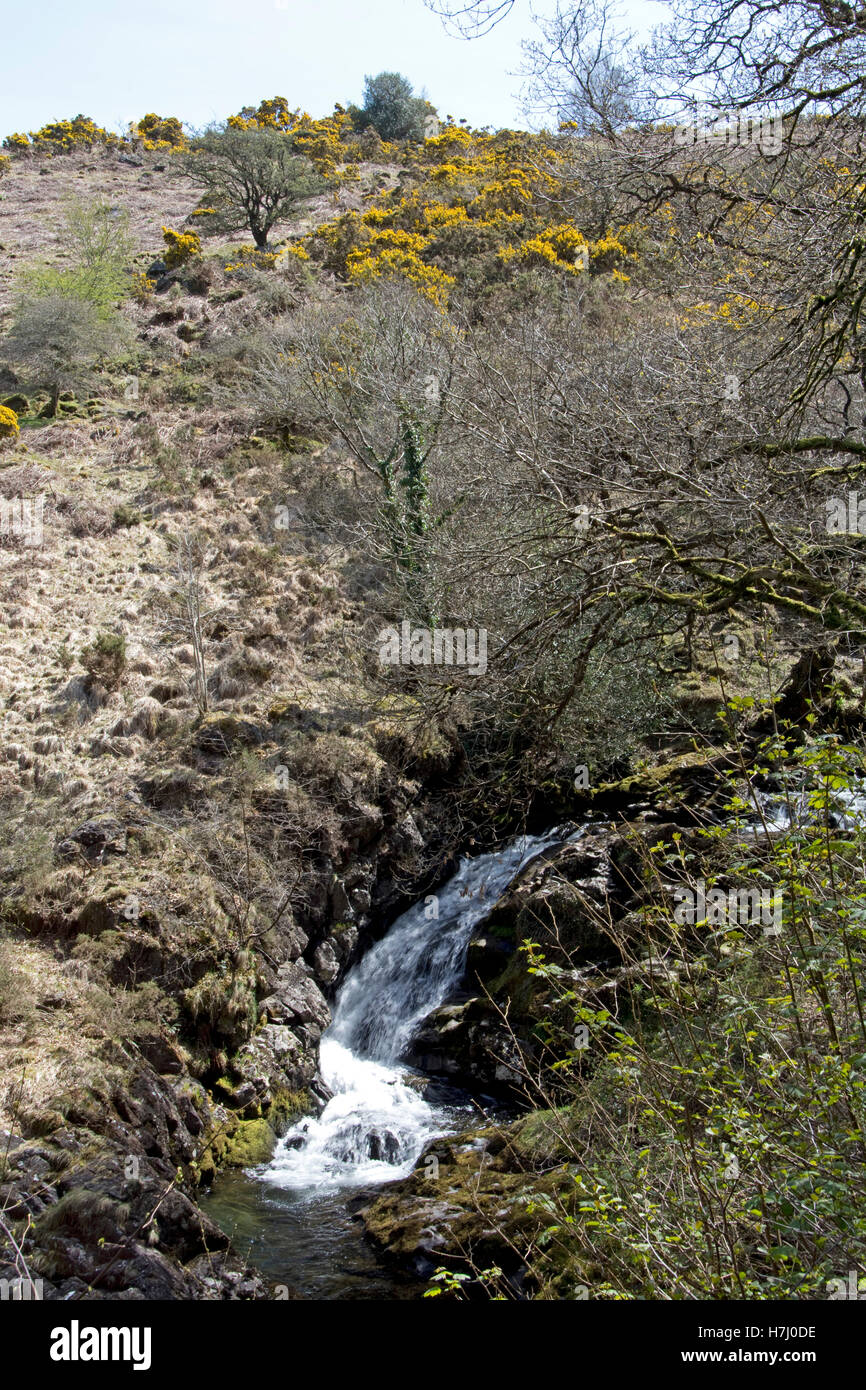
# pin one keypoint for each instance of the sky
(115, 61)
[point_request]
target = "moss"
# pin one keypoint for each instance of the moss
(251, 1142)
(649, 781)
(541, 1137)
(303, 444)
(287, 1107)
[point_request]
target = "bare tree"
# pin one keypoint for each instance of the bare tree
(376, 366)
(186, 612)
(58, 339)
(584, 70)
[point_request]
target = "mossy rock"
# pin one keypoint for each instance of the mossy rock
(250, 1143)
(287, 1107)
(651, 782)
(303, 444)
(18, 403)
(538, 1138)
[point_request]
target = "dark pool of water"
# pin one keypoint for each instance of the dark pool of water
(309, 1242)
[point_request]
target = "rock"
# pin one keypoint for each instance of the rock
(466, 1042)
(160, 1053)
(298, 1000)
(464, 1195)
(94, 839)
(275, 1060)
(487, 957)
(343, 940)
(251, 1143)
(326, 964)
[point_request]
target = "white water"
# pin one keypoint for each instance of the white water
(780, 811)
(377, 1124)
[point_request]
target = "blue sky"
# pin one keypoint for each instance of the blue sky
(202, 61)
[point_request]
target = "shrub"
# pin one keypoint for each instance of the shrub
(142, 288)
(126, 516)
(105, 659)
(159, 132)
(8, 423)
(97, 238)
(58, 337)
(61, 137)
(181, 247)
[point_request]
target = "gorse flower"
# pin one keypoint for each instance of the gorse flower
(180, 247)
(8, 423)
(159, 132)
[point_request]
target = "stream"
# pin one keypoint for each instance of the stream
(291, 1216)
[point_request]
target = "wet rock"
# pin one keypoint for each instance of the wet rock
(275, 1060)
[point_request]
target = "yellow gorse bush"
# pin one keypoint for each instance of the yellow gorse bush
(61, 137)
(8, 423)
(180, 247)
(159, 132)
(321, 141)
(251, 257)
(460, 185)
(397, 253)
(142, 288)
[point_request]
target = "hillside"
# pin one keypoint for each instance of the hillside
(562, 394)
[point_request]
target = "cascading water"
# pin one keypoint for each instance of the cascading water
(377, 1123)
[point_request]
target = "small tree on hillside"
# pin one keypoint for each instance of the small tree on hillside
(252, 178)
(58, 339)
(65, 319)
(391, 108)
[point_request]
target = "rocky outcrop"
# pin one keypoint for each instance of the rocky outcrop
(100, 1182)
(577, 903)
(479, 1203)
(102, 1196)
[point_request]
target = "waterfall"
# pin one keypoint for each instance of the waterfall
(377, 1123)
